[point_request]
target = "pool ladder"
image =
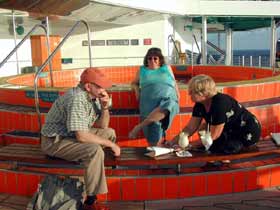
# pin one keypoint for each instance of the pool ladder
(36, 94)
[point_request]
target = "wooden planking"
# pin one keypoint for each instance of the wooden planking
(130, 156)
(263, 148)
(51, 7)
(22, 151)
(24, 154)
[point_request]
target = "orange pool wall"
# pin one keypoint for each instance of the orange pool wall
(244, 83)
(248, 85)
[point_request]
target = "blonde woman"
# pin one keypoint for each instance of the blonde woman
(232, 127)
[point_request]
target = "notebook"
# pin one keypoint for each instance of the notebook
(156, 151)
(276, 138)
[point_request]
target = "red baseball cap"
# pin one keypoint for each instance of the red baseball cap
(91, 75)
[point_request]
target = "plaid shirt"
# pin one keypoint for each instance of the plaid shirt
(74, 111)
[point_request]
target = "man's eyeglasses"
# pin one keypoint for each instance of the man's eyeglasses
(153, 58)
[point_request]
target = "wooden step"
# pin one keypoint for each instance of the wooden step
(21, 137)
(31, 155)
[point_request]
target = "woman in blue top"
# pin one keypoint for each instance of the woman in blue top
(156, 89)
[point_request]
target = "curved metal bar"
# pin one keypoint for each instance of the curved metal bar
(15, 39)
(36, 94)
(170, 37)
(89, 42)
(22, 41)
(194, 37)
(49, 50)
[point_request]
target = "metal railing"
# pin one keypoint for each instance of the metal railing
(238, 60)
(171, 39)
(36, 94)
(23, 40)
(250, 60)
(221, 56)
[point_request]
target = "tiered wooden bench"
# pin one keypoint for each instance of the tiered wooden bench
(22, 155)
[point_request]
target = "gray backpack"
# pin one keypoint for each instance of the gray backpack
(56, 193)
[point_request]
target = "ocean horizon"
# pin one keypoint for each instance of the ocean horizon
(254, 57)
(251, 52)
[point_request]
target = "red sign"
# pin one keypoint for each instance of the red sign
(148, 41)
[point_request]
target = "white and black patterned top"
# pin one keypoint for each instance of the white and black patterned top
(223, 109)
(239, 123)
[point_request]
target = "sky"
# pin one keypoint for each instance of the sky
(247, 40)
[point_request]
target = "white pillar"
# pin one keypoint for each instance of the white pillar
(204, 41)
(219, 40)
(228, 46)
(15, 40)
(273, 43)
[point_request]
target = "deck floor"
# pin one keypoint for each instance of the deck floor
(258, 200)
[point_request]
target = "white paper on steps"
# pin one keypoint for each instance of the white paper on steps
(276, 138)
(156, 151)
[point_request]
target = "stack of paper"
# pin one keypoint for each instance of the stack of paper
(156, 151)
(276, 138)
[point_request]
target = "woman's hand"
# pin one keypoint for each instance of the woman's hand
(170, 144)
(137, 94)
(135, 84)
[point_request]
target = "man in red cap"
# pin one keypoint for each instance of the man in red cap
(68, 132)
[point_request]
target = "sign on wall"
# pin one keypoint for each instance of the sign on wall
(117, 42)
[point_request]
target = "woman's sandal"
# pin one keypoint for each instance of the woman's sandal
(214, 163)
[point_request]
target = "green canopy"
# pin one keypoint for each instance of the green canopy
(238, 23)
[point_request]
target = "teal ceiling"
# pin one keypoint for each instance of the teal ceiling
(238, 23)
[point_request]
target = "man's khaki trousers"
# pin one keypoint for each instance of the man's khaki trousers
(88, 154)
